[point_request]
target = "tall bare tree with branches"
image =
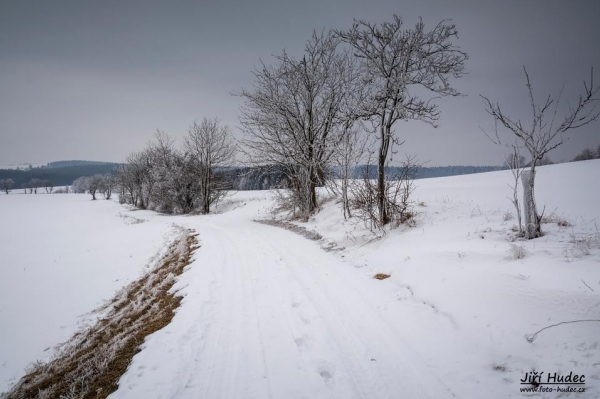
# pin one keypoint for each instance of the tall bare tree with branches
(351, 151)
(398, 63)
(548, 130)
(212, 146)
(516, 164)
(6, 185)
(291, 117)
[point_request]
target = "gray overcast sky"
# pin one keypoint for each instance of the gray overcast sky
(94, 79)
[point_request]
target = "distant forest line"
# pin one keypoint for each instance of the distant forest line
(60, 173)
(63, 173)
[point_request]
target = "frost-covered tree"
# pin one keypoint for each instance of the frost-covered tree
(107, 186)
(94, 185)
(516, 163)
(213, 147)
(171, 180)
(291, 117)
(585, 154)
(48, 186)
(399, 65)
(186, 185)
(175, 186)
(138, 178)
(33, 185)
(129, 180)
(514, 160)
(80, 185)
(546, 131)
(6, 185)
(351, 151)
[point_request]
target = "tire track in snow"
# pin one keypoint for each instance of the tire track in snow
(267, 315)
(369, 346)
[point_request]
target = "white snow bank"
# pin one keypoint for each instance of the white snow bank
(458, 262)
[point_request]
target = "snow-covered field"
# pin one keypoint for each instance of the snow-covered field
(63, 255)
(270, 314)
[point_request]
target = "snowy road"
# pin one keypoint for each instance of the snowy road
(268, 314)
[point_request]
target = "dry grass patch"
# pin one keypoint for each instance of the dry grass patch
(90, 364)
(381, 276)
(311, 235)
(560, 221)
(517, 252)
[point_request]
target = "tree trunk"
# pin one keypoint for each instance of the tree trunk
(313, 196)
(345, 201)
(206, 194)
(532, 222)
(383, 216)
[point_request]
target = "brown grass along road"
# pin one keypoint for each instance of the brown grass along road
(90, 364)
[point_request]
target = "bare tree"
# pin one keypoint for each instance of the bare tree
(516, 164)
(397, 64)
(585, 154)
(33, 185)
(514, 159)
(146, 177)
(127, 180)
(48, 186)
(107, 186)
(187, 189)
(80, 185)
(212, 146)
(292, 116)
(398, 188)
(162, 178)
(156, 170)
(94, 184)
(6, 185)
(177, 187)
(354, 142)
(350, 153)
(546, 132)
(137, 178)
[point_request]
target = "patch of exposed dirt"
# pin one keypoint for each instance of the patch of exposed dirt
(90, 364)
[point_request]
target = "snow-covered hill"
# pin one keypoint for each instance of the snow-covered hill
(269, 313)
(21, 166)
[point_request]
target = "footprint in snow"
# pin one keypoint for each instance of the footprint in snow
(326, 372)
(300, 343)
